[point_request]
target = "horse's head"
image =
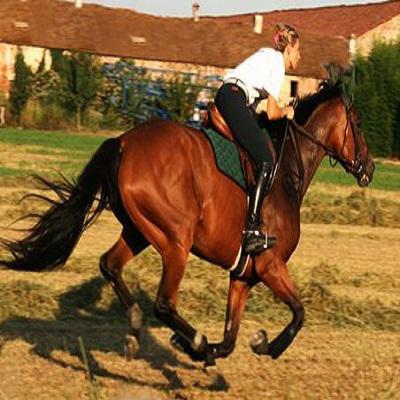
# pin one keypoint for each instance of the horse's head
(346, 143)
(349, 146)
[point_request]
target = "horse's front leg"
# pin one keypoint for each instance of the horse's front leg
(238, 294)
(277, 278)
(186, 337)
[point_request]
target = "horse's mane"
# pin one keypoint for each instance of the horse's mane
(307, 104)
(337, 85)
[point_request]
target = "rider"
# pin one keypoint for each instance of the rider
(254, 85)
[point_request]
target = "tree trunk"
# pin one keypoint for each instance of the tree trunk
(78, 118)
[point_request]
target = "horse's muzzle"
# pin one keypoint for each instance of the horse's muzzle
(365, 178)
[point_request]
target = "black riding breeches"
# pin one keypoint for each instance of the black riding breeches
(231, 103)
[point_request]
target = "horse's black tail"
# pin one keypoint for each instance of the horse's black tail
(51, 240)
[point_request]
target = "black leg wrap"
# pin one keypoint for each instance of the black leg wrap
(241, 266)
(224, 349)
(285, 338)
(203, 351)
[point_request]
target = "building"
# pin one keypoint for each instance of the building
(202, 45)
(364, 22)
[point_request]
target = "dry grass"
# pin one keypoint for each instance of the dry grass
(348, 276)
(354, 206)
(348, 349)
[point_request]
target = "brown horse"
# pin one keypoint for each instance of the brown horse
(161, 182)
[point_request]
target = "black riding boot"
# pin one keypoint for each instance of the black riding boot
(256, 241)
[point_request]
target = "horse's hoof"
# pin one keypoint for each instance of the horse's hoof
(182, 345)
(259, 343)
(131, 347)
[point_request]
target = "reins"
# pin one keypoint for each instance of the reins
(296, 178)
(278, 163)
(299, 160)
(309, 136)
(355, 166)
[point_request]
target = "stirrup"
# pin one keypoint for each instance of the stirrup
(256, 241)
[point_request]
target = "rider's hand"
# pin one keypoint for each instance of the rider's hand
(289, 112)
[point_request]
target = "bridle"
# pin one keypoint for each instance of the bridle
(294, 182)
(354, 166)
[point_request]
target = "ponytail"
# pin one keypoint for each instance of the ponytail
(283, 36)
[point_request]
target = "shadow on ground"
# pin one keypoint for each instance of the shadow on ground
(102, 330)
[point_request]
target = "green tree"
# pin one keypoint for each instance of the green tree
(47, 111)
(3, 99)
(125, 91)
(138, 95)
(396, 98)
(179, 97)
(377, 97)
(80, 80)
(45, 84)
(20, 90)
(59, 63)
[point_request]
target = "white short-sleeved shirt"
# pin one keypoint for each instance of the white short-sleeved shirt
(264, 70)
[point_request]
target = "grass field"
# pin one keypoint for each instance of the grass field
(70, 152)
(62, 332)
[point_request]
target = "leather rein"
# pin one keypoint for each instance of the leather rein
(354, 166)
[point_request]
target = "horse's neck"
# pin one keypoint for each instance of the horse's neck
(312, 155)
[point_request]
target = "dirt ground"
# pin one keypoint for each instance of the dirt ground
(78, 354)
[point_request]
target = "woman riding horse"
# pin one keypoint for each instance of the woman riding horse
(162, 184)
(254, 86)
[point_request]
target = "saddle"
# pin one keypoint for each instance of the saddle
(216, 121)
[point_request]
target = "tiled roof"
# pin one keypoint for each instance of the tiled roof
(125, 33)
(331, 21)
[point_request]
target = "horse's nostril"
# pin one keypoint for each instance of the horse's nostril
(364, 180)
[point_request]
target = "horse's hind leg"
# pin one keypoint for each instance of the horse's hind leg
(186, 337)
(130, 243)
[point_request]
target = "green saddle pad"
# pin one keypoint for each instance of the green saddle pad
(226, 156)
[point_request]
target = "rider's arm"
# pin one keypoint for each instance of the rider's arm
(275, 112)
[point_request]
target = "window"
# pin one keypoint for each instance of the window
(293, 88)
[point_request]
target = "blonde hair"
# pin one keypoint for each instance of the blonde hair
(283, 36)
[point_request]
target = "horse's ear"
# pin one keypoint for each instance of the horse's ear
(345, 78)
(348, 85)
(335, 73)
